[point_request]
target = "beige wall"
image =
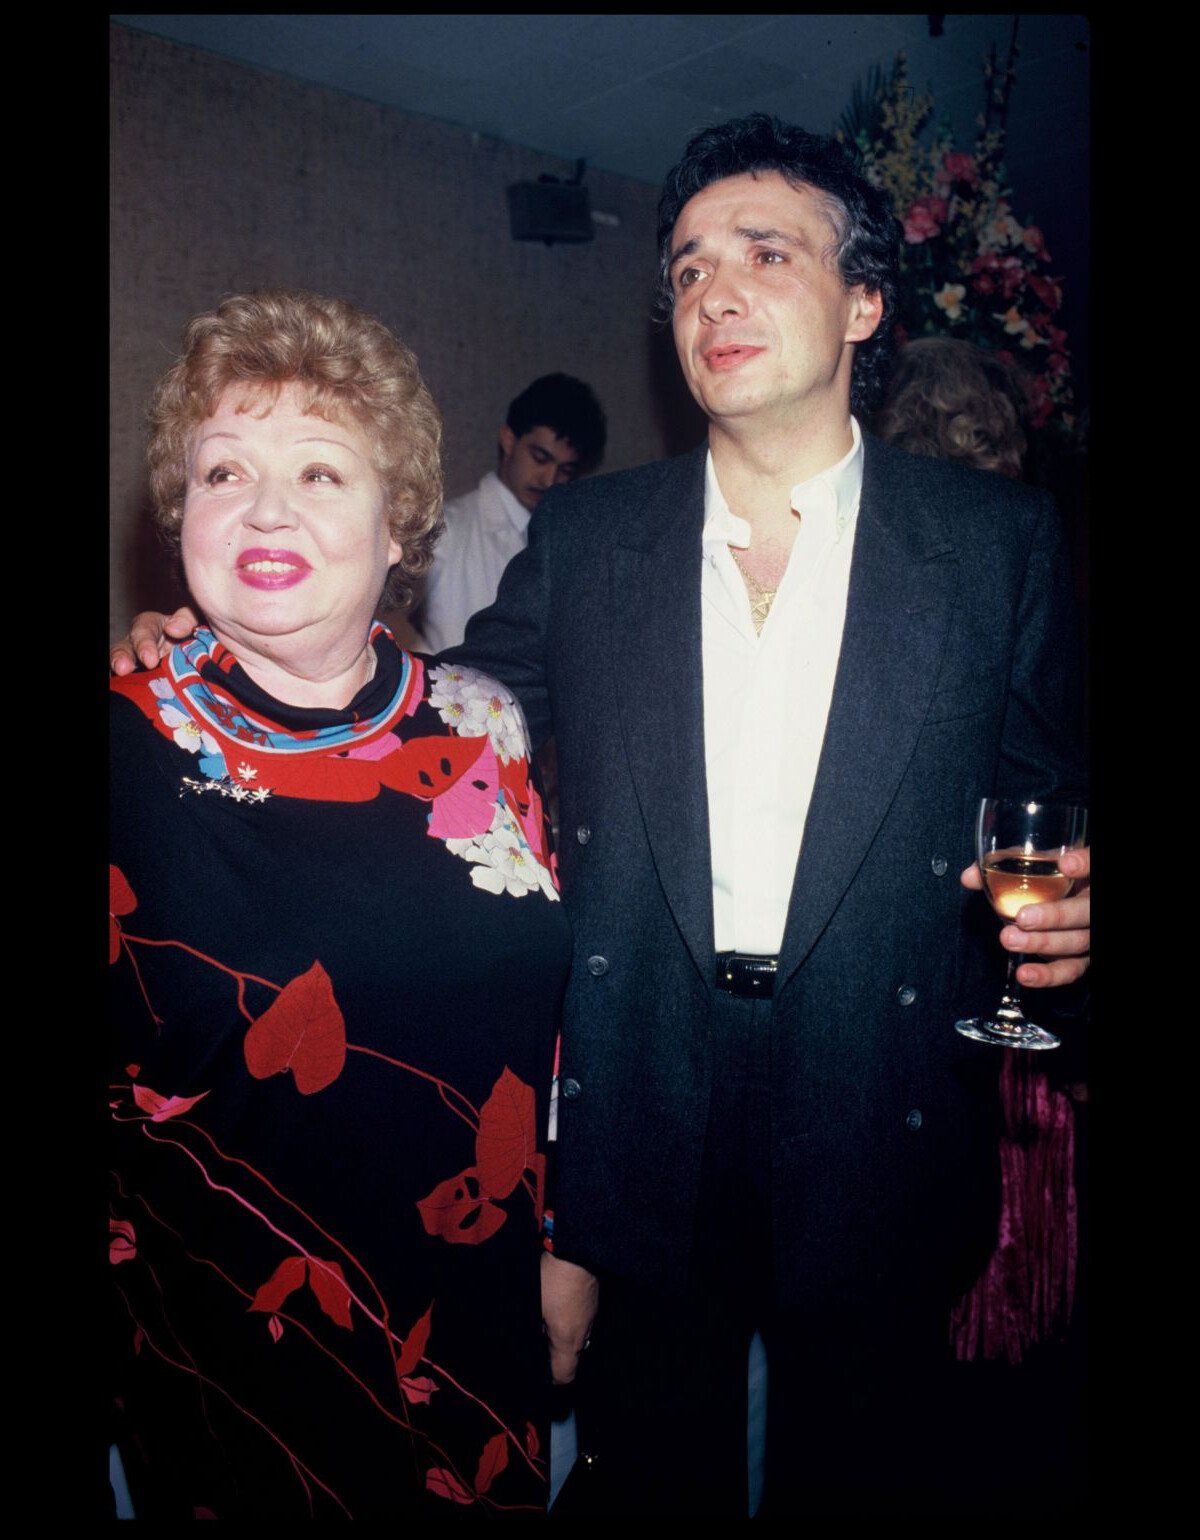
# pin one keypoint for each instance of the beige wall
(224, 178)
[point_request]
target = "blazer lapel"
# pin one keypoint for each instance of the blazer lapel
(656, 632)
(903, 581)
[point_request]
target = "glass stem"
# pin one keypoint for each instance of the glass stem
(1009, 1009)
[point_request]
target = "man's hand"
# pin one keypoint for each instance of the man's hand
(1061, 930)
(150, 639)
(570, 1295)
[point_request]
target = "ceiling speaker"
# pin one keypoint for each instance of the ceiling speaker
(549, 211)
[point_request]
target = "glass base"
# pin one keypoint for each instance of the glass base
(1019, 1034)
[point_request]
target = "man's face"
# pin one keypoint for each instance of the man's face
(535, 462)
(762, 319)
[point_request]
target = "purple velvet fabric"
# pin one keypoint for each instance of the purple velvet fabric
(1026, 1293)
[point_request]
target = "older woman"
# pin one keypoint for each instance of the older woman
(338, 959)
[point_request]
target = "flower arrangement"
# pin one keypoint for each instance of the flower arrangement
(969, 267)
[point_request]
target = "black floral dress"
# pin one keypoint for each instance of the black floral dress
(338, 959)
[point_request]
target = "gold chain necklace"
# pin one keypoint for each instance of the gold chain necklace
(762, 600)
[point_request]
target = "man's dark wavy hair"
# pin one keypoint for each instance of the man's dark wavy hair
(567, 407)
(868, 243)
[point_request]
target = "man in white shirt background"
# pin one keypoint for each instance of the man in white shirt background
(554, 431)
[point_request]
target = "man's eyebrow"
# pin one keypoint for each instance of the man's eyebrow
(745, 233)
(781, 236)
(685, 250)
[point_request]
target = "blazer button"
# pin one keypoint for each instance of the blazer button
(906, 994)
(583, 834)
(571, 1089)
(939, 865)
(913, 1120)
(597, 966)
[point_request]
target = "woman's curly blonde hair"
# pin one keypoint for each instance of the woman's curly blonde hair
(350, 368)
(951, 400)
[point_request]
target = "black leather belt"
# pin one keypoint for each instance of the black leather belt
(738, 973)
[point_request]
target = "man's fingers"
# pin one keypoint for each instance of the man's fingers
(1065, 914)
(1076, 863)
(1052, 975)
(1050, 943)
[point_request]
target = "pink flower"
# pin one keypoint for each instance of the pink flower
(1041, 402)
(924, 220)
(1012, 275)
(983, 284)
(961, 167)
(1046, 290)
(1035, 241)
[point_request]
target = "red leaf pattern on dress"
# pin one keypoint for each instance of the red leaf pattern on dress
(303, 1031)
(505, 1142)
(414, 1345)
(120, 901)
(459, 1214)
(161, 1108)
(417, 1387)
(328, 1283)
(492, 1461)
(275, 1327)
(123, 1245)
(444, 1483)
(285, 1280)
(532, 1442)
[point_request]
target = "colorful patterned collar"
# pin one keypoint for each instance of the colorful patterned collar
(208, 682)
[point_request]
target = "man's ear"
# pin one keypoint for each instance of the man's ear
(508, 441)
(866, 312)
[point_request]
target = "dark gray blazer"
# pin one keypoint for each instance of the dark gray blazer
(956, 680)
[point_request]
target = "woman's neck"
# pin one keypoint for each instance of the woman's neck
(328, 678)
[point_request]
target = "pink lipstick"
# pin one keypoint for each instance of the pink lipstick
(259, 567)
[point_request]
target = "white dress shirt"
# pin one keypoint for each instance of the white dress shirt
(484, 530)
(766, 698)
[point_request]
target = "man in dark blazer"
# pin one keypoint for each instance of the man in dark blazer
(797, 1141)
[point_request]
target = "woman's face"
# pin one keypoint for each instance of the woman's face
(285, 537)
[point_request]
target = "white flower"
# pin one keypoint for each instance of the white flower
(247, 772)
(949, 298)
(187, 734)
(474, 704)
(502, 862)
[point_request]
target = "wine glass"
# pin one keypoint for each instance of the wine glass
(1018, 846)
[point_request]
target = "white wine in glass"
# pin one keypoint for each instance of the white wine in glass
(1018, 846)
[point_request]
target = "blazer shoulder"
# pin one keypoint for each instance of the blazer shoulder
(620, 494)
(950, 481)
(969, 506)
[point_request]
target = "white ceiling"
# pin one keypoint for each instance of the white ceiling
(624, 93)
